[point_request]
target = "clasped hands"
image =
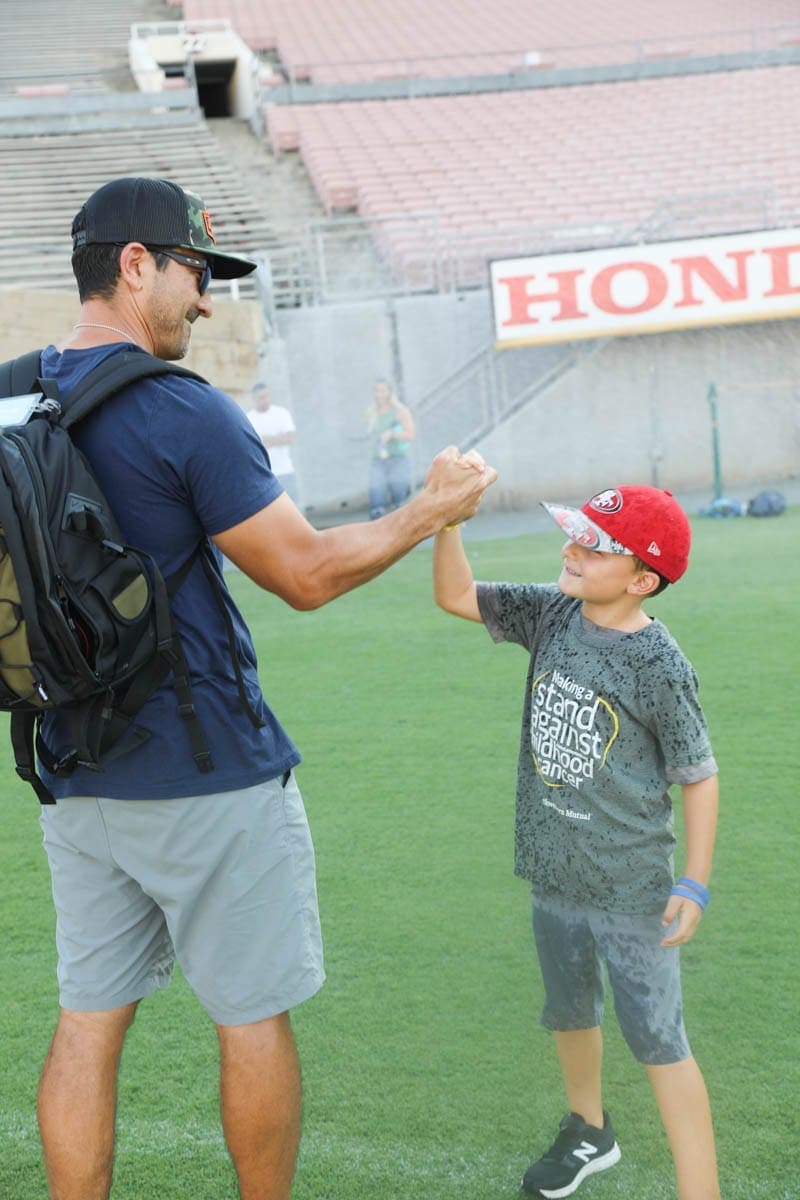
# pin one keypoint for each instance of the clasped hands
(458, 481)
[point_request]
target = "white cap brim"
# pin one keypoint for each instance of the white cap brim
(581, 530)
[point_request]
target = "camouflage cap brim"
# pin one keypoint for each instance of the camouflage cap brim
(201, 238)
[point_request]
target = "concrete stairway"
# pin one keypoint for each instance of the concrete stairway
(44, 181)
(82, 44)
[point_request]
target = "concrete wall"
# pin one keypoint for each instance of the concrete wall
(634, 409)
(323, 366)
(638, 411)
(225, 349)
(437, 334)
(324, 362)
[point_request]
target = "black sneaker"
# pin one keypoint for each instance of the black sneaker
(578, 1151)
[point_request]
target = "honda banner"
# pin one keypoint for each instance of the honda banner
(646, 288)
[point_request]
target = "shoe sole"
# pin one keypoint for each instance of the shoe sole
(599, 1164)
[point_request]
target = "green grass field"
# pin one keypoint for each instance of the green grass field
(426, 1074)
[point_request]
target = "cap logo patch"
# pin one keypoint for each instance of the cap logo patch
(207, 222)
(587, 538)
(608, 501)
(655, 549)
(200, 232)
(578, 530)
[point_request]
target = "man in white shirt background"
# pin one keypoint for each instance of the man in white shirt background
(276, 428)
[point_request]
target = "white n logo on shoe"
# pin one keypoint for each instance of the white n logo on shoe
(585, 1152)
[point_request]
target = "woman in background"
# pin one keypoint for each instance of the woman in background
(392, 430)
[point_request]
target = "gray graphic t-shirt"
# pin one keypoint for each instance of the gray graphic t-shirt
(609, 721)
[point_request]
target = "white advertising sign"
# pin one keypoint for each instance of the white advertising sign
(646, 289)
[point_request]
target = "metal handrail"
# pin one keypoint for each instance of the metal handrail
(458, 262)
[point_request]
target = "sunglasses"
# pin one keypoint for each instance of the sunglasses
(194, 264)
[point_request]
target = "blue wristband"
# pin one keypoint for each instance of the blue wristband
(691, 890)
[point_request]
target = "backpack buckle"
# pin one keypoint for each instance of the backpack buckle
(166, 649)
(204, 762)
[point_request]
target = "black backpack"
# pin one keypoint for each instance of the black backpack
(766, 504)
(85, 620)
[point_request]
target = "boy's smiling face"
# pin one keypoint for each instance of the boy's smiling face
(597, 577)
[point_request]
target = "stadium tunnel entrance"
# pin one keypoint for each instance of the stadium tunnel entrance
(206, 55)
(213, 87)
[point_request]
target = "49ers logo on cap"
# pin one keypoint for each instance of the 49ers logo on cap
(578, 529)
(609, 501)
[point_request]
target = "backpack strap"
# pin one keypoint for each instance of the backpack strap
(23, 728)
(21, 375)
(18, 376)
(210, 568)
(110, 376)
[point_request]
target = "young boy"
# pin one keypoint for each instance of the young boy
(611, 719)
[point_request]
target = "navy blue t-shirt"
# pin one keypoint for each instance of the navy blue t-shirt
(177, 459)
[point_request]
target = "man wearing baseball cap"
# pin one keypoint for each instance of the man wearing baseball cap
(151, 861)
(155, 212)
(611, 720)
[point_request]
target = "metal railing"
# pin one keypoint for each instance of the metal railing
(488, 388)
(147, 29)
(343, 259)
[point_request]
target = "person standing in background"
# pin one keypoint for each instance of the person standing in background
(274, 425)
(391, 427)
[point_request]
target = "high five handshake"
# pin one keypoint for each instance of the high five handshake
(456, 483)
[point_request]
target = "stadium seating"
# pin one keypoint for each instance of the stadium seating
(252, 19)
(330, 41)
(73, 118)
(44, 180)
(490, 162)
(476, 175)
(44, 43)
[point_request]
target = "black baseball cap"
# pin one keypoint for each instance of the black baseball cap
(155, 212)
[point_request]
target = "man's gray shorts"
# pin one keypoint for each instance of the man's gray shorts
(223, 883)
(573, 942)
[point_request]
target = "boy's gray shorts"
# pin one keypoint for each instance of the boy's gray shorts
(572, 943)
(223, 883)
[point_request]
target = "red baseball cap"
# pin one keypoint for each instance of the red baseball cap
(644, 521)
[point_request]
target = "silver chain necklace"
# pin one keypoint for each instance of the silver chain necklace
(97, 325)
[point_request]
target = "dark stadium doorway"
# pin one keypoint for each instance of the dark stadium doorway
(213, 87)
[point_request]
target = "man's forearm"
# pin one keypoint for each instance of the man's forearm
(280, 550)
(359, 552)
